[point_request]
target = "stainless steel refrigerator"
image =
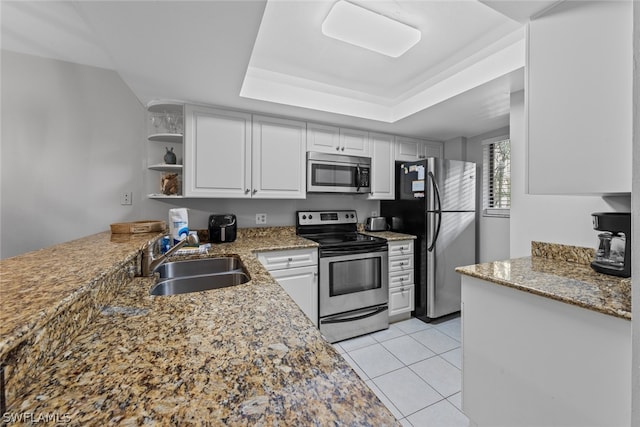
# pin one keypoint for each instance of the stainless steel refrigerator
(436, 201)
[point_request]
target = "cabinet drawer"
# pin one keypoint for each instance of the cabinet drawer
(401, 263)
(277, 260)
(400, 278)
(400, 247)
(401, 300)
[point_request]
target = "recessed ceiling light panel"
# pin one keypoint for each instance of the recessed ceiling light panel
(356, 25)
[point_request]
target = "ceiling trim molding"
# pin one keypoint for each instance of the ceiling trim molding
(285, 89)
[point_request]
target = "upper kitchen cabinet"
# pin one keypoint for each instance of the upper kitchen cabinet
(278, 165)
(579, 99)
(232, 154)
(411, 149)
(334, 140)
(217, 153)
(382, 166)
(165, 149)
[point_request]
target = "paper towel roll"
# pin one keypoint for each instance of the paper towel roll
(178, 224)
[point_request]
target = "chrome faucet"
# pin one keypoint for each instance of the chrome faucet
(149, 260)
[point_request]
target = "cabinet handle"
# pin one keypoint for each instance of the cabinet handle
(246, 191)
(342, 148)
(255, 191)
(337, 148)
(289, 259)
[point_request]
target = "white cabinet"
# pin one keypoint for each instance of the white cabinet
(401, 280)
(411, 149)
(217, 153)
(528, 360)
(335, 140)
(296, 270)
(279, 154)
(382, 166)
(165, 133)
(579, 98)
(234, 155)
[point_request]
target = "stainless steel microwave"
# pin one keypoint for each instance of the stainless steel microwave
(334, 173)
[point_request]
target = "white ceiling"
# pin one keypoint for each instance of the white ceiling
(455, 82)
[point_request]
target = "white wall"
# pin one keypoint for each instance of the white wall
(279, 212)
(492, 241)
(635, 261)
(72, 140)
(554, 219)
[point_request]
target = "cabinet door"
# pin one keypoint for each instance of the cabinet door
(302, 286)
(217, 153)
(354, 142)
(279, 151)
(408, 149)
(382, 167)
(579, 98)
(323, 138)
(433, 149)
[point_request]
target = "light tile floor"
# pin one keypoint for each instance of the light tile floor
(415, 370)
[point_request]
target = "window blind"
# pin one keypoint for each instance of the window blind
(497, 176)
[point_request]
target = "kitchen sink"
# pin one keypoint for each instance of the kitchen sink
(183, 285)
(181, 277)
(199, 267)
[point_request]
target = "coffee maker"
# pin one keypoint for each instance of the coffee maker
(613, 255)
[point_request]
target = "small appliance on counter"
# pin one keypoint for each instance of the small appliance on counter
(376, 223)
(222, 228)
(613, 255)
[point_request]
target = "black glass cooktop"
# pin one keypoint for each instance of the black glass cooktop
(342, 239)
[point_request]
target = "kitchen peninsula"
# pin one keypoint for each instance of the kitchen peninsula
(546, 341)
(82, 339)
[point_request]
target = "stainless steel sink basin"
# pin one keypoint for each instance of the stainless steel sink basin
(183, 285)
(199, 267)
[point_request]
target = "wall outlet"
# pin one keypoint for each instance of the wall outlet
(261, 218)
(374, 213)
(126, 198)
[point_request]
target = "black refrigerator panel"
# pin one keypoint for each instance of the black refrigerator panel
(410, 181)
(412, 210)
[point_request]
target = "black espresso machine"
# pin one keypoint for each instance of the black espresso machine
(613, 255)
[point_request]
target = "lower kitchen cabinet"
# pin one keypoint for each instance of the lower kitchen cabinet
(296, 270)
(529, 360)
(401, 280)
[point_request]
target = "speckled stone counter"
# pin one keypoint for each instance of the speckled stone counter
(244, 355)
(390, 236)
(562, 273)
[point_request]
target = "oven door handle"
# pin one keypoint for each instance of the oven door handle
(346, 318)
(354, 251)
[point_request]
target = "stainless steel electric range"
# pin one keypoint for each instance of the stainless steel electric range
(353, 274)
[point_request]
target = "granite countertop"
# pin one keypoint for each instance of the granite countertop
(389, 235)
(244, 355)
(562, 273)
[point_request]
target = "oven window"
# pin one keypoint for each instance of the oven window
(333, 175)
(352, 276)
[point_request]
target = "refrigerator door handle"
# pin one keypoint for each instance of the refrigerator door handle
(438, 211)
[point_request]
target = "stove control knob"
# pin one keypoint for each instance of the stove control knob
(304, 217)
(310, 216)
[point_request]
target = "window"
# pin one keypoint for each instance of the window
(496, 179)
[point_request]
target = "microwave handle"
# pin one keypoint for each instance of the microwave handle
(358, 177)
